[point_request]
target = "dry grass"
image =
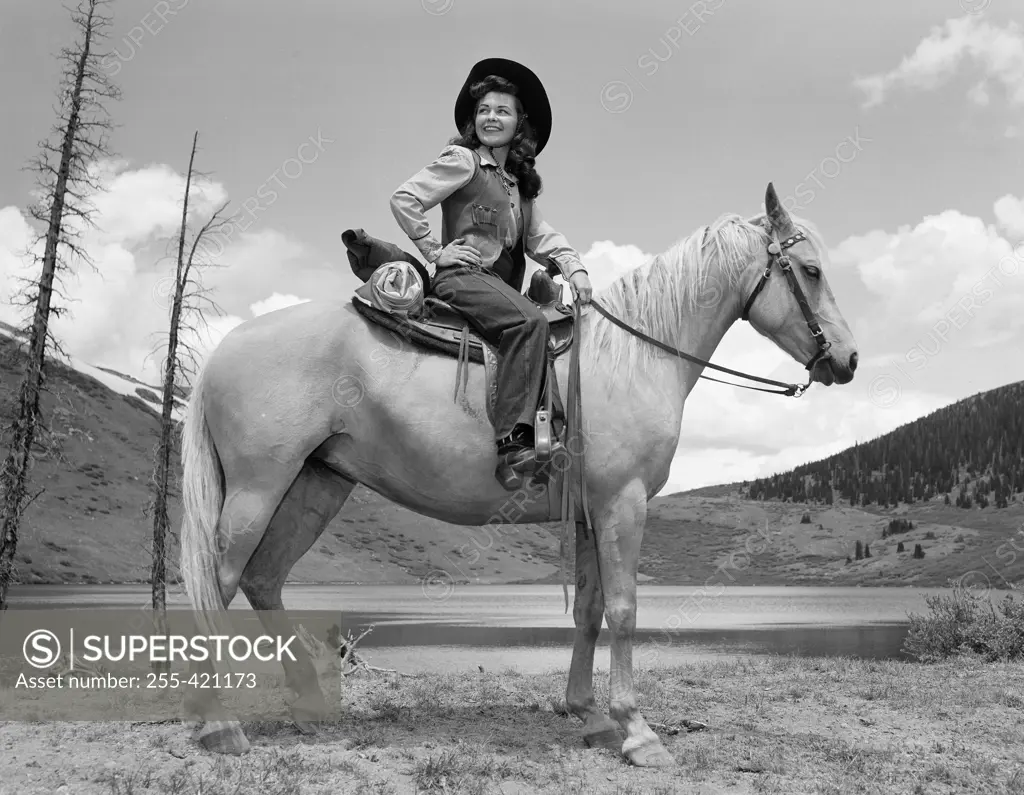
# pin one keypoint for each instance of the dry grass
(775, 725)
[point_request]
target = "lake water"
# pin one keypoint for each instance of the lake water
(525, 627)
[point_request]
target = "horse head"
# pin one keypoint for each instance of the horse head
(797, 310)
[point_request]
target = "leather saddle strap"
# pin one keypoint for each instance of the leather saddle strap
(551, 381)
(574, 478)
(462, 369)
(578, 400)
(584, 504)
(549, 389)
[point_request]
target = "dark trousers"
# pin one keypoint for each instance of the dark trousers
(514, 325)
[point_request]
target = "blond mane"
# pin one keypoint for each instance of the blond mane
(699, 269)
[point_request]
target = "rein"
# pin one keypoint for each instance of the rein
(775, 255)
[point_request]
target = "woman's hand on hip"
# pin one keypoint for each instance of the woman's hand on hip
(458, 253)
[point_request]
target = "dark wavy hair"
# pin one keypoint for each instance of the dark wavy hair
(521, 160)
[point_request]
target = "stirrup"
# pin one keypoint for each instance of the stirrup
(542, 440)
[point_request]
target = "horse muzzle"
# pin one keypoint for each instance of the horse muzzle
(826, 369)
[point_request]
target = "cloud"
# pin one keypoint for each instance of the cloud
(979, 95)
(16, 237)
(606, 262)
(951, 276)
(274, 302)
(1009, 212)
(997, 52)
(258, 264)
(118, 312)
(142, 205)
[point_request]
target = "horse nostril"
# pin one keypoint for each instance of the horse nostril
(853, 361)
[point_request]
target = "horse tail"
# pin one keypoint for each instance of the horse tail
(202, 499)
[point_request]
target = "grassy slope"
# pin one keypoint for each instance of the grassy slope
(689, 538)
(89, 525)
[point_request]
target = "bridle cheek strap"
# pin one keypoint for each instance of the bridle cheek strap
(776, 255)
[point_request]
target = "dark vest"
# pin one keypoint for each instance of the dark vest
(481, 213)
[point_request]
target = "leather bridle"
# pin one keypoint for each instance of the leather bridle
(776, 255)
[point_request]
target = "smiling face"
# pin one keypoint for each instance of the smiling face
(496, 119)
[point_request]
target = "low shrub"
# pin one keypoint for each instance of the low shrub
(966, 622)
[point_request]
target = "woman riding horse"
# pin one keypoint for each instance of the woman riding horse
(486, 184)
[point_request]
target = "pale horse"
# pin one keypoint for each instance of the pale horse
(266, 437)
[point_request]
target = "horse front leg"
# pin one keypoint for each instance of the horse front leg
(599, 730)
(619, 534)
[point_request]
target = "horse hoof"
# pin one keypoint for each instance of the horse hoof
(307, 713)
(651, 754)
(221, 737)
(603, 734)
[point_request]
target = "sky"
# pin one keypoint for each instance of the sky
(897, 128)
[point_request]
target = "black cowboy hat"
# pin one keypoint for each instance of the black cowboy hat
(530, 91)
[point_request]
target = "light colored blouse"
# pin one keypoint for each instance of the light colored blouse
(453, 169)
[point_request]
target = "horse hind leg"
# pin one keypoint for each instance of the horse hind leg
(599, 730)
(313, 500)
(244, 517)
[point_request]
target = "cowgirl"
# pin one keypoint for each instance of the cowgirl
(486, 184)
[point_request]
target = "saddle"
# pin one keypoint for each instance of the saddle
(438, 326)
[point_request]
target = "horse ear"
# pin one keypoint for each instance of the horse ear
(777, 214)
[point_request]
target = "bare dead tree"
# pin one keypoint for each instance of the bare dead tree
(66, 179)
(188, 298)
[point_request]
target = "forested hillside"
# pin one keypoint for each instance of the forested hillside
(969, 454)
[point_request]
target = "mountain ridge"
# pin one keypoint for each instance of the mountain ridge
(969, 453)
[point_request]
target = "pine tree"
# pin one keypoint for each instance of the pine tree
(80, 137)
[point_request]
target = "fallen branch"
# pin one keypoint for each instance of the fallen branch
(345, 648)
(688, 725)
(349, 645)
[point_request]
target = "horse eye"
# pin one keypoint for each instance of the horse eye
(811, 271)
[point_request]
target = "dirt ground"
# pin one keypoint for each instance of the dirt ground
(774, 725)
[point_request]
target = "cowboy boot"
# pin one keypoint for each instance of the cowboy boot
(517, 458)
